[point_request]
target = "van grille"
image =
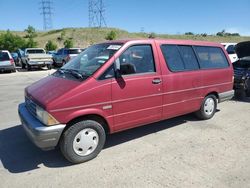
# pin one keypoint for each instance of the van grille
(31, 106)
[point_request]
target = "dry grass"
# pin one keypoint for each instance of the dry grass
(83, 37)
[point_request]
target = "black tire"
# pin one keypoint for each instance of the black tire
(13, 70)
(203, 113)
(49, 67)
(63, 62)
(240, 94)
(28, 67)
(23, 65)
(69, 136)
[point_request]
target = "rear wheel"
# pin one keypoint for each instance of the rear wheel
(63, 62)
(28, 67)
(208, 108)
(49, 67)
(23, 65)
(82, 141)
(240, 94)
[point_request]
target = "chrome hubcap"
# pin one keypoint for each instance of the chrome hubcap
(85, 142)
(209, 106)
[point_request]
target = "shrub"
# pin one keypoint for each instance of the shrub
(11, 42)
(111, 35)
(50, 45)
(68, 43)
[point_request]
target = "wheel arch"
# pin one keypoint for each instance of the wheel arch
(95, 117)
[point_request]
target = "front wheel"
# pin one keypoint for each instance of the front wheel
(208, 108)
(82, 141)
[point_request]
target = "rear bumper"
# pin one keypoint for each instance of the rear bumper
(226, 96)
(39, 63)
(7, 68)
(42, 136)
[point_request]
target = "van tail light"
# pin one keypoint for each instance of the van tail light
(12, 61)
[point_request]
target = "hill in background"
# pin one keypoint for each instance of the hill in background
(83, 37)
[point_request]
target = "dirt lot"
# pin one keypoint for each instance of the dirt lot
(181, 152)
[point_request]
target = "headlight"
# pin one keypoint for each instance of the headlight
(45, 117)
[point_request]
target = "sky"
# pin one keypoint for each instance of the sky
(159, 16)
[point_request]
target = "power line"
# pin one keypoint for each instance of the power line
(47, 11)
(96, 13)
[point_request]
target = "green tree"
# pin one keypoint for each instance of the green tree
(68, 43)
(11, 42)
(50, 46)
(31, 43)
(189, 33)
(111, 35)
(152, 36)
(30, 32)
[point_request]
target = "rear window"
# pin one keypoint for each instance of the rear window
(74, 51)
(4, 56)
(35, 51)
(211, 57)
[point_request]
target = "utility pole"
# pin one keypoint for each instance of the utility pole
(96, 13)
(47, 11)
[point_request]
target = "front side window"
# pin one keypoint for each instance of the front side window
(89, 61)
(211, 57)
(137, 59)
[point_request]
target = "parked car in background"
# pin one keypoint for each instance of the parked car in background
(6, 61)
(36, 57)
(63, 55)
(118, 85)
(14, 55)
(242, 70)
(230, 48)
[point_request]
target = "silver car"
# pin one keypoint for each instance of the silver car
(6, 62)
(63, 55)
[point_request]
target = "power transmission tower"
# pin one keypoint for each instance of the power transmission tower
(47, 11)
(96, 13)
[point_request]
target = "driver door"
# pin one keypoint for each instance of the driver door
(137, 93)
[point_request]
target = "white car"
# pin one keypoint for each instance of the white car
(230, 48)
(6, 61)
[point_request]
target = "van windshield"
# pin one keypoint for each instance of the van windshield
(91, 59)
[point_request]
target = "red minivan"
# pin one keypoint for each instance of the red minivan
(120, 85)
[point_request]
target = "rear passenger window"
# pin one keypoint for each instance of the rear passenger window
(189, 58)
(172, 57)
(211, 57)
(180, 58)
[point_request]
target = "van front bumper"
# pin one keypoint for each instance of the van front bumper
(44, 137)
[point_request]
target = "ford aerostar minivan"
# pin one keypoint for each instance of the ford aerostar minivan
(120, 85)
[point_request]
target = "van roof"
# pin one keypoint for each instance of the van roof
(169, 41)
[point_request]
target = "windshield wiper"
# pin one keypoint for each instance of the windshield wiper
(73, 72)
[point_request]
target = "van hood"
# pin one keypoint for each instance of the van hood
(48, 89)
(242, 49)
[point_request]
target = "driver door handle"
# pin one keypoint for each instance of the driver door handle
(156, 81)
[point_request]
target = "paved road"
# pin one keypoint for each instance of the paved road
(181, 152)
